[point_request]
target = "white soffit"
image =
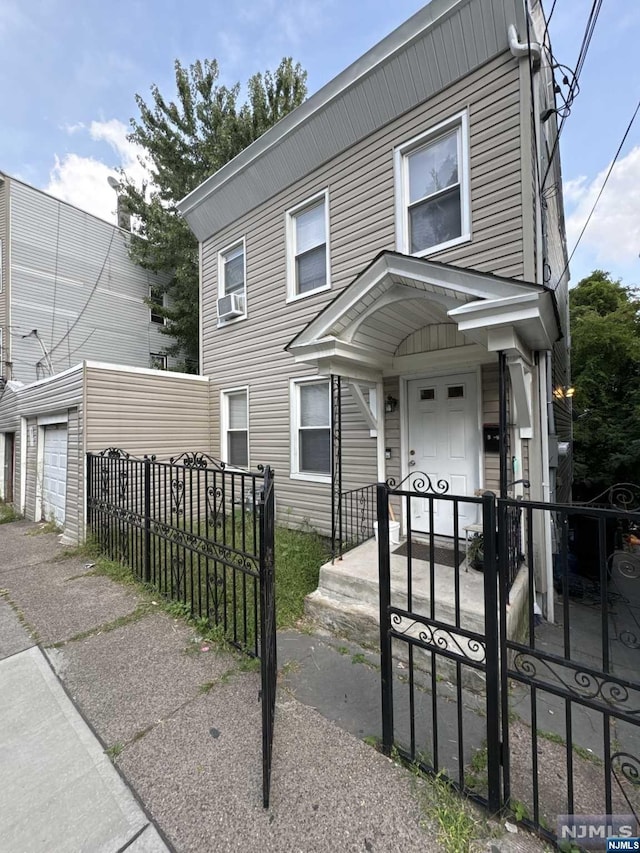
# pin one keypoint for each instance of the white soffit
(440, 44)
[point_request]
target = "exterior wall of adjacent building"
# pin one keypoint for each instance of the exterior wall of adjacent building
(139, 410)
(68, 276)
(361, 193)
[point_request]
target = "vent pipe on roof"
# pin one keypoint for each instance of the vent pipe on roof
(521, 49)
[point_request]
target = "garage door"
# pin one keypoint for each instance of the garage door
(54, 483)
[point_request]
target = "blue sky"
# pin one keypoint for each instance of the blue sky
(69, 70)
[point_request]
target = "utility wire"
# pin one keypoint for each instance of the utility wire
(613, 163)
(89, 297)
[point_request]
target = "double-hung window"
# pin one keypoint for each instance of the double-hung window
(432, 189)
(235, 427)
(308, 247)
(156, 298)
(311, 429)
(232, 283)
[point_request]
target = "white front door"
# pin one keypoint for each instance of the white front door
(444, 444)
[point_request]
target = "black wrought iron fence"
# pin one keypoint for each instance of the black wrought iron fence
(201, 534)
(357, 519)
(538, 715)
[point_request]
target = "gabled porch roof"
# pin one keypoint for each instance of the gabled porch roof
(362, 328)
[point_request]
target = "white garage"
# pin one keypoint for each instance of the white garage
(54, 473)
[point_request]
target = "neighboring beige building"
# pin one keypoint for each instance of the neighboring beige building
(47, 428)
(393, 232)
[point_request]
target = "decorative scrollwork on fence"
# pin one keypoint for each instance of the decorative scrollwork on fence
(626, 768)
(439, 639)
(621, 496)
(196, 460)
(208, 548)
(177, 496)
(579, 682)
(178, 575)
(215, 505)
(215, 588)
(420, 482)
(113, 453)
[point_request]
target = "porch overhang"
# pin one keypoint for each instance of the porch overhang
(359, 332)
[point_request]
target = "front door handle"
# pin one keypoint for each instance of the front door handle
(412, 462)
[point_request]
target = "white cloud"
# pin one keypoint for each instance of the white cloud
(82, 181)
(612, 237)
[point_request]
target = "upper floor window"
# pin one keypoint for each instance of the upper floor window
(232, 283)
(157, 361)
(432, 189)
(156, 297)
(235, 427)
(308, 247)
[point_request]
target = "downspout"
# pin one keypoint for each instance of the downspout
(548, 603)
(521, 49)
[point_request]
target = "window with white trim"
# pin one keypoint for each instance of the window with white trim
(311, 429)
(232, 282)
(157, 361)
(156, 297)
(0, 266)
(308, 247)
(235, 427)
(432, 189)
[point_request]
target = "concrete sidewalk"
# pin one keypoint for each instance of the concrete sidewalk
(181, 722)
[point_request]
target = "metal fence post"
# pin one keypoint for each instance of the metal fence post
(147, 520)
(384, 570)
(491, 624)
(268, 638)
(89, 514)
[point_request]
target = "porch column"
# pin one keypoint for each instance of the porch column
(503, 422)
(336, 466)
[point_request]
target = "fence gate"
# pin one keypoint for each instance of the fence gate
(537, 717)
(201, 534)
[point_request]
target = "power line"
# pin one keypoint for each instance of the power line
(89, 297)
(613, 163)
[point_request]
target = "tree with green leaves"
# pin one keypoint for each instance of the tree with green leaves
(605, 366)
(185, 141)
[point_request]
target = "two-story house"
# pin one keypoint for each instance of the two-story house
(81, 353)
(383, 273)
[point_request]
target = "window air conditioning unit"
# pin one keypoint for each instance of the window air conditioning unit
(230, 306)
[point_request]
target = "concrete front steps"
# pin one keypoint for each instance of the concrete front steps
(347, 602)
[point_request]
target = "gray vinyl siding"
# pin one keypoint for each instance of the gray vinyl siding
(32, 473)
(74, 507)
(73, 281)
(53, 395)
(4, 280)
(146, 413)
(362, 223)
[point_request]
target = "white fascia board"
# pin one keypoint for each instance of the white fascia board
(39, 382)
(348, 370)
(423, 19)
(144, 371)
(332, 348)
(529, 313)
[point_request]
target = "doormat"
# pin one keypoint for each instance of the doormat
(420, 551)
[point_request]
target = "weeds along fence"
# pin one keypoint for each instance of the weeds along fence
(192, 528)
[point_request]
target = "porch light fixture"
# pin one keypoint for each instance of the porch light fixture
(390, 404)
(563, 392)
